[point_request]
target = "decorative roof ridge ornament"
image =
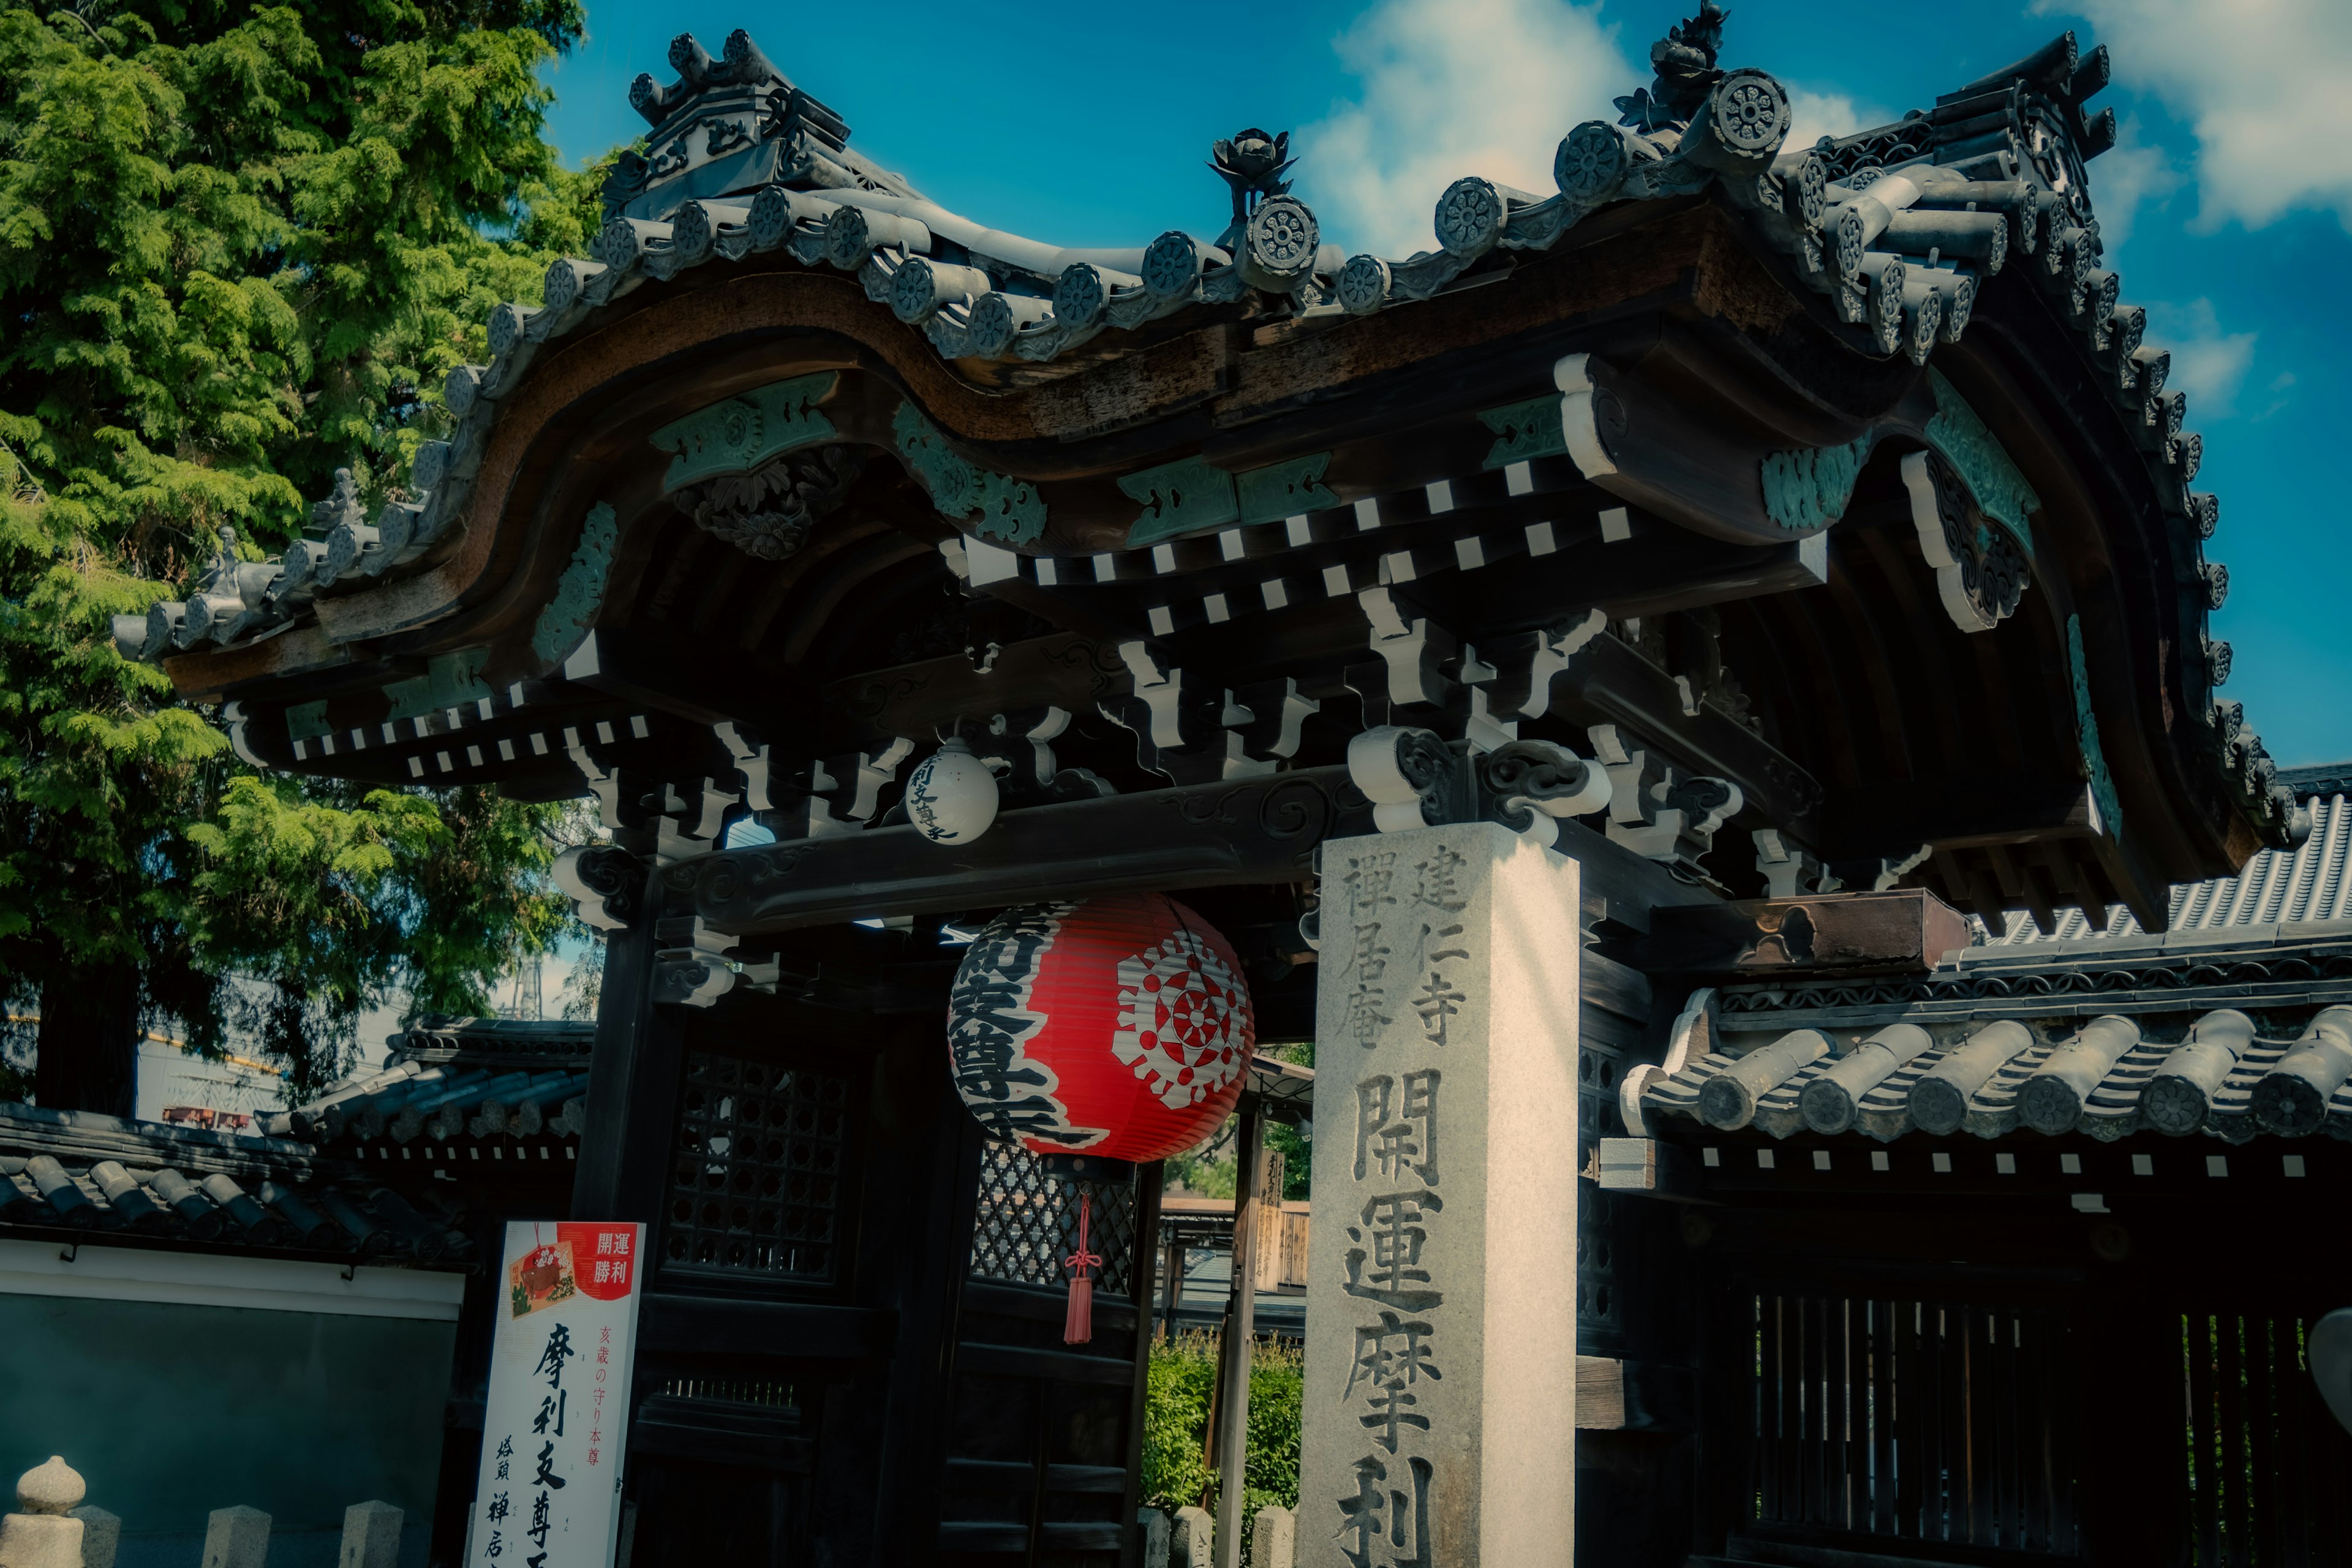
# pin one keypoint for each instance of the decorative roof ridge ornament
(1685, 62)
(1252, 163)
(741, 65)
(743, 114)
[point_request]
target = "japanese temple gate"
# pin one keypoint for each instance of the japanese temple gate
(1743, 560)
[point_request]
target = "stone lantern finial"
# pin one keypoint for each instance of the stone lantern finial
(53, 1487)
(40, 1534)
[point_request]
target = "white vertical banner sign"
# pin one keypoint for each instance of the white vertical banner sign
(560, 1359)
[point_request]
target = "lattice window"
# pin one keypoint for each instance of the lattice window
(2263, 1457)
(1027, 1222)
(756, 1186)
(1921, 1420)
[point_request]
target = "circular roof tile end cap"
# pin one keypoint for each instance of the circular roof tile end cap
(1938, 1108)
(1827, 1106)
(1278, 246)
(2049, 1106)
(53, 1487)
(2174, 1105)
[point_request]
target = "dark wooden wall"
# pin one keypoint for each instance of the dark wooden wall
(1978, 1384)
(828, 1372)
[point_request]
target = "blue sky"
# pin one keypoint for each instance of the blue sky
(2225, 205)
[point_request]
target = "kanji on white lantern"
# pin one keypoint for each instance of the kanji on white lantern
(1119, 1027)
(951, 795)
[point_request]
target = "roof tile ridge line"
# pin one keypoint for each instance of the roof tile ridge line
(2334, 838)
(2244, 896)
(2199, 896)
(2303, 879)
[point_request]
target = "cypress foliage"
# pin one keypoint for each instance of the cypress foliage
(239, 245)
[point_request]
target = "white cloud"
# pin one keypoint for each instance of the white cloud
(2265, 84)
(2130, 174)
(1814, 115)
(2208, 363)
(1452, 88)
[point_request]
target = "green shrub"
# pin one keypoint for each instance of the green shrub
(1183, 1375)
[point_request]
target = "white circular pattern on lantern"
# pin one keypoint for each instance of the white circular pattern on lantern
(1363, 284)
(1590, 161)
(951, 796)
(1184, 1020)
(1079, 295)
(1172, 265)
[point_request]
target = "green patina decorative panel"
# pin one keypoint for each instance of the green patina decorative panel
(581, 592)
(2086, 724)
(1811, 487)
(2000, 490)
(1808, 488)
(307, 720)
(739, 435)
(1284, 489)
(1009, 509)
(1186, 496)
(450, 680)
(1525, 431)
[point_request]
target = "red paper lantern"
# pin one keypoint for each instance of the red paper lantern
(1119, 1027)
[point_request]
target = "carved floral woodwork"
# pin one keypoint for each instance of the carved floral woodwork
(769, 511)
(1980, 572)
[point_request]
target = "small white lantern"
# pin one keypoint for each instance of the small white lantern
(952, 798)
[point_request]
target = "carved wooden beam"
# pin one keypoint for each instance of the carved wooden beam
(1900, 932)
(1259, 830)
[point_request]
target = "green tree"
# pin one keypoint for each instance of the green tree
(238, 246)
(1179, 1391)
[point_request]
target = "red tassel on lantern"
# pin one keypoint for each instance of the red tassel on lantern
(1079, 1327)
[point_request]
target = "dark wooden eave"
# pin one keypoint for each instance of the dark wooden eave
(1875, 725)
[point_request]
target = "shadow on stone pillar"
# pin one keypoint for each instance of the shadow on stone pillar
(1152, 1525)
(1274, 1539)
(101, 1536)
(370, 1536)
(1194, 1545)
(236, 1538)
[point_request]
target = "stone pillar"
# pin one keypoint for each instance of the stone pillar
(1439, 1425)
(1195, 1541)
(236, 1538)
(370, 1536)
(40, 1533)
(1274, 1539)
(1152, 1524)
(101, 1536)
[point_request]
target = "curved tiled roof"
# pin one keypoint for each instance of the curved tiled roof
(2104, 1080)
(88, 1174)
(2306, 883)
(450, 1079)
(1895, 226)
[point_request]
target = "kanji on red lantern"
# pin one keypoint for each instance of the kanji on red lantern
(1119, 1027)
